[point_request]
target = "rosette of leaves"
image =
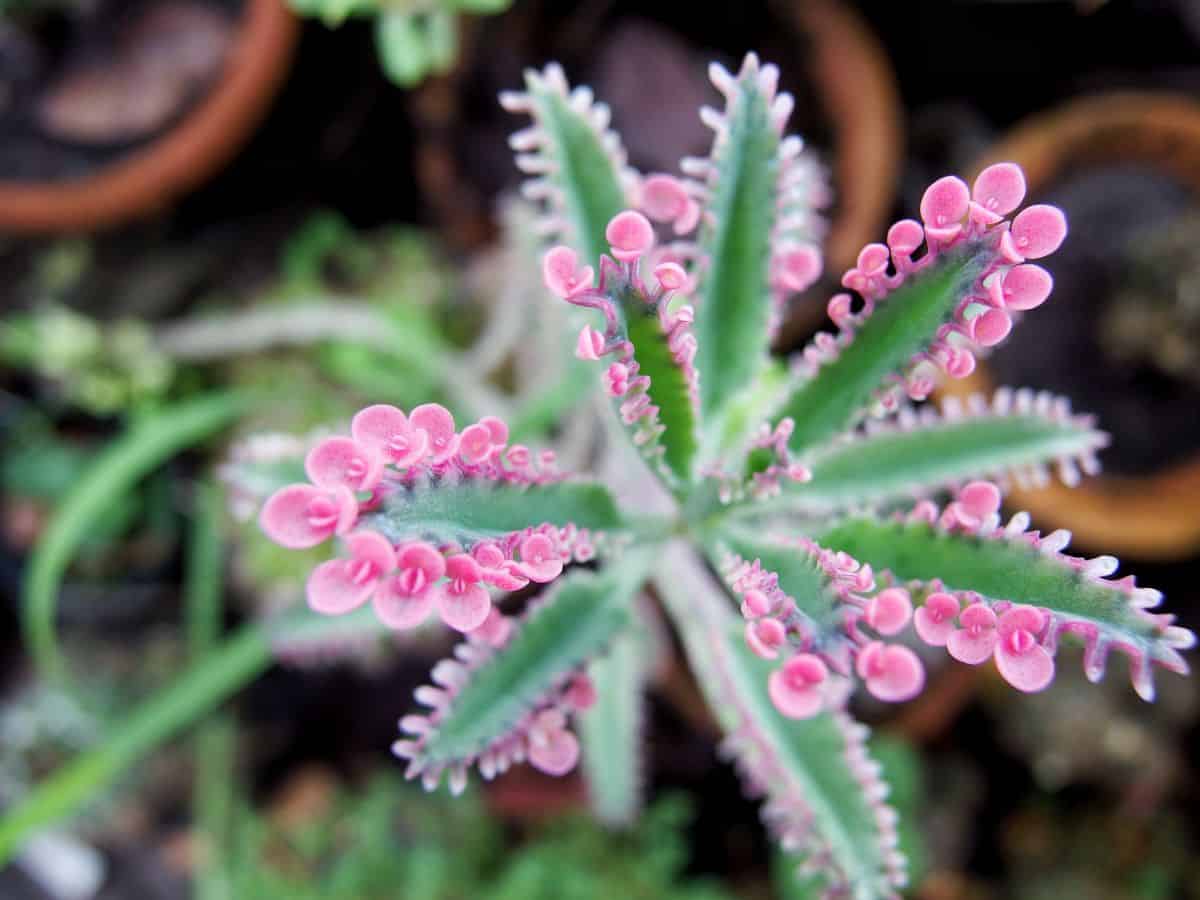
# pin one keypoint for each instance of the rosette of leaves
(845, 522)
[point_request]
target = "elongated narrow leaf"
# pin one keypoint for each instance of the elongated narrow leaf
(822, 793)
(750, 179)
(484, 709)
(1017, 436)
(131, 457)
(471, 510)
(577, 164)
(611, 731)
(841, 391)
(1014, 566)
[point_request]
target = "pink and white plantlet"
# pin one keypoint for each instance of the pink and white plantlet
(829, 524)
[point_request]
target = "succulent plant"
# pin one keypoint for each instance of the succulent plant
(834, 511)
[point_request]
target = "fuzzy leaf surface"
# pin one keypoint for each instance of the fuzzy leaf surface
(587, 612)
(840, 392)
(733, 302)
(895, 464)
(801, 764)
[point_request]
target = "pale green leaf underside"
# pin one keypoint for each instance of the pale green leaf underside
(996, 569)
(586, 173)
(809, 754)
(903, 324)
(587, 613)
(733, 305)
(611, 731)
(467, 511)
(893, 464)
(668, 388)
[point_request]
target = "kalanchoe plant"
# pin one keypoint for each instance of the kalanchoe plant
(810, 487)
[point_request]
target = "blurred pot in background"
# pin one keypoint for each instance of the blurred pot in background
(1121, 336)
(647, 62)
(133, 108)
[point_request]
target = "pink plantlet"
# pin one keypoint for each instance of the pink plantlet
(670, 276)
(892, 672)
(462, 601)
(975, 640)
(889, 611)
(796, 687)
(581, 694)
(406, 599)
(755, 603)
(496, 629)
(1023, 287)
(630, 236)
(552, 749)
(341, 585)
(475, 444)
(343, 462)
(617, 379)
(934, 619)
(300, 515)
(563, 275)
(387, 431)
(590, 345)
(540, 560)
(665, 199)
(975, 503)
(1021, 659)
(1036, 232)
(798, 268)
(435, 420)
(998, 190)
(765, 637)
(943, 208)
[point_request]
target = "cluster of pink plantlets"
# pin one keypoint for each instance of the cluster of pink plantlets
(388, 454)
(1004, 284)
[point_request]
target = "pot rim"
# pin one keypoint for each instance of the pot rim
(179, 159)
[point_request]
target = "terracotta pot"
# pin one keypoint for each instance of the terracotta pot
(849, 70)
(1151, 517)
(181, 158)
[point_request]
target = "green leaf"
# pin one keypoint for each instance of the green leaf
(733, 301)
(611, 731)
(1001, 569)
(638, 322)
(799, 575)
(585, 613)
(143, 448)
(471, 510)
(588, 174)
(199, 690)
(912, 461)
(840, 393)
(802, 765)
(403, 47)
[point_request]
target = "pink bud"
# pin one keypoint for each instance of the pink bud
(581, 694)
(540, 560)
(755, 604)
(905, 237)
(630, 235)
(979, 499)
(437, 423)
(475, 444)
(554, 752)
(664, 198)
(799, 267)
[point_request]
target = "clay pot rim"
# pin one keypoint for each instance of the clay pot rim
(853, 76)
(183, 156)
(1149, 517)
